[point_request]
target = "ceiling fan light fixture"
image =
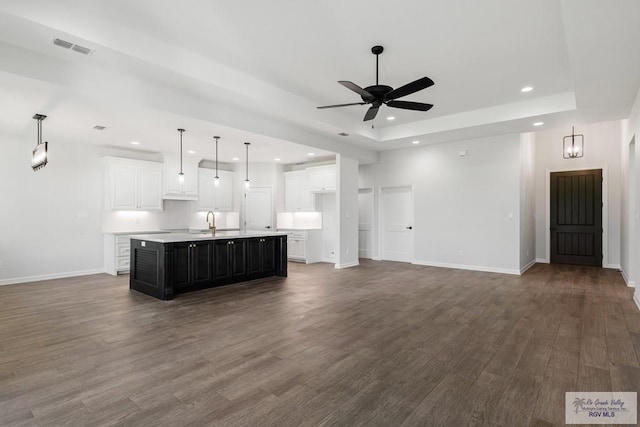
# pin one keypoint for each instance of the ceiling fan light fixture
(378, 95)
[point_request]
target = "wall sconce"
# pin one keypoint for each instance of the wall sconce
(39, 157)
(573, 146)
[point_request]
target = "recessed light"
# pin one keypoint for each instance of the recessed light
(526, 89)
(277, 159)
(538, 123)
(191, 152)
(415, 142)
(135, 142)
(391, 118)
(311, 154)
(235, 159)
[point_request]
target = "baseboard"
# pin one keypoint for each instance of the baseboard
(613, 266)
(329, 260)
(27, 279)
(542, 261)
(467, 267)
(528, 266)
(348, 264)
(376, 258)
(636, 299)
(630, 283)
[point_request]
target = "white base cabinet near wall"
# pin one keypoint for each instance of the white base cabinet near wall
(132, 184)
(117, 251)
(304, 245)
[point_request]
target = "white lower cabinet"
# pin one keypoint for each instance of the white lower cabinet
(304, 245)
(117, 253)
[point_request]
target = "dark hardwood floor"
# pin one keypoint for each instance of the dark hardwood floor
(384, 344)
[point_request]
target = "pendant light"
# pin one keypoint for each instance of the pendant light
(216, 180)
(573, 145)
(247, 184)
(181, 174)
(39, 157)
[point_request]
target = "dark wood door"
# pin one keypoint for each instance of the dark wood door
(576, 217)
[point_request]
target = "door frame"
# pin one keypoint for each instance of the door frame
(605, 213)
(372, 211)
(381, 221)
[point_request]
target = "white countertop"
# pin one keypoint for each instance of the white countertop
(190, 237)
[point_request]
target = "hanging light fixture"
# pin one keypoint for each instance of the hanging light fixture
(573, 145)
(39, 157)
(181, 174)
(216, 180)
(246, 181)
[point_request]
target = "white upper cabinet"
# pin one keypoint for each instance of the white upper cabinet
(132, 184)
(211, 197)
(172, 187)
(322, 178)
(297, 196)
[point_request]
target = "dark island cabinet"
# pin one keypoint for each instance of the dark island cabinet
(261, 255)
(192, 264)
(165, 269)
(229, 259)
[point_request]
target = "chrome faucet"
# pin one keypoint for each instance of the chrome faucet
(212, 224)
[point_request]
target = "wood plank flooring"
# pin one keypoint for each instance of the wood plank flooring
(385, 343)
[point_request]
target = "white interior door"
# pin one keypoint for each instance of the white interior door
(397, 223)
(258, 209)
(365, 223)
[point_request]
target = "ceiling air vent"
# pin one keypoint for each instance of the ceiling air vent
(62, 43)
(81, 49)
(75, 47)
(343, 134)
(97, 127)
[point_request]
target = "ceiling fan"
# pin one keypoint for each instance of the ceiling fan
(378, 94)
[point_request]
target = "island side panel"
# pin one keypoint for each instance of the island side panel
(282, 260)
(148, 273)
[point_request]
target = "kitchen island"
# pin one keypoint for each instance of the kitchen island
(163, 265)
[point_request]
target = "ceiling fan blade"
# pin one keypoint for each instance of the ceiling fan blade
(371, 113)
(357, 89)
(342, 105)
(409, 88)
(408, 105)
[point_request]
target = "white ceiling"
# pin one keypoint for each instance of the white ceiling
(252, 70)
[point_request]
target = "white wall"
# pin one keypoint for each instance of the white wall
(527, 222)
(49, 218)
(466, 209)
(601, 151)
(630, 243)
(326, 204)
(347, 211)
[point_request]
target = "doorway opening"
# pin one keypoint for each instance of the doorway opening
(576, 217)
(365, 223)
